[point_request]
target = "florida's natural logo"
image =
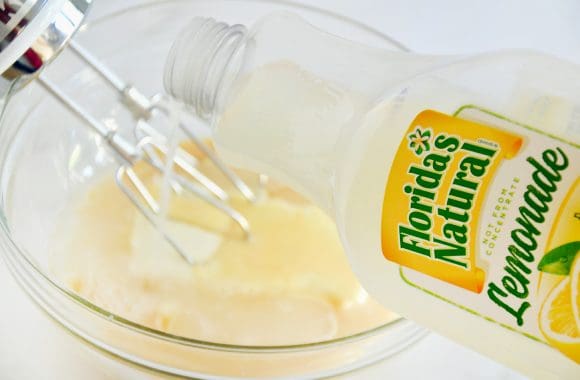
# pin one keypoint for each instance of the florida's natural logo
(420, 140)
(440, 212)
(434, 196)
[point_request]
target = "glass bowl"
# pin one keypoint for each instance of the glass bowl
(47, 157)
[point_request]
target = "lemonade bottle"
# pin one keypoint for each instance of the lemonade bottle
(453, 181)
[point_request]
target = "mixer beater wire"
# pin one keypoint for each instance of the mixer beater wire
(152, 149)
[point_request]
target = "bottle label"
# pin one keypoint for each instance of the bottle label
(486, 215)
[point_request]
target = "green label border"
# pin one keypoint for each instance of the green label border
(438, 296)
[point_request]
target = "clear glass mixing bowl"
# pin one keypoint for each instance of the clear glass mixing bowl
(46, 156)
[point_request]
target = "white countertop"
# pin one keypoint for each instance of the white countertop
(444, 26)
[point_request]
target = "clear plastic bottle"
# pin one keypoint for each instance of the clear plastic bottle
(454, 181)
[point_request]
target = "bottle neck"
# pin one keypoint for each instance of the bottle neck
(202, 62)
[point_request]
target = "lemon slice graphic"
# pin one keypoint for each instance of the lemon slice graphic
(559, 320)
(575, 291)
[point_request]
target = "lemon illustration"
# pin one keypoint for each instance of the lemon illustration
(575, 291)
(559, 320)
(566, 226)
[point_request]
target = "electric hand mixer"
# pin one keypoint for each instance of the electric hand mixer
(33, 33)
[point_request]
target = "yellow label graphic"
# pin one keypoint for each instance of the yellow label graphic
(434, 194)
(484, 203)
(566, 227)
(559, 318)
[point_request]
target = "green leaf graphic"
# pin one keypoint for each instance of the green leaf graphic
(559, 260)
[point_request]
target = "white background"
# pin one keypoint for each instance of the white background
(429, 26)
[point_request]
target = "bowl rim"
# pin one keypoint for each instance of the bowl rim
(154, 333)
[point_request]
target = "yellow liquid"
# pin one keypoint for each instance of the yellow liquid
(290, 283)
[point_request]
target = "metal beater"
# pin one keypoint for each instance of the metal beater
(56, 21)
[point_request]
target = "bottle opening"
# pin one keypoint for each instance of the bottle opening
(199, 60)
